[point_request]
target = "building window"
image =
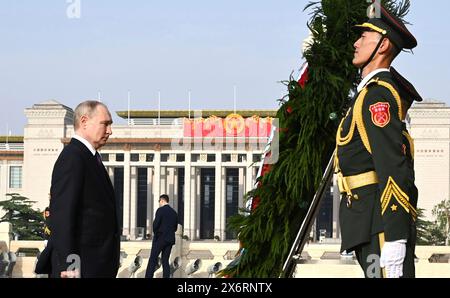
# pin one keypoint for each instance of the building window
(232, 197)
(180, 157)
(120, 157)
(134, 157)
(207, 203)
(256, 157)
(164, 157)
(226, 157)
(15, 177)
(195, 157)
(211, 158)
(142, 189)
(324, 220)
(105, 156)
(242, 157)
(149, 157)
(118, 190)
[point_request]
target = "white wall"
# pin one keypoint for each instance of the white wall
(430, 129)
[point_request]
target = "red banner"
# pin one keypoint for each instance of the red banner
(233, 125)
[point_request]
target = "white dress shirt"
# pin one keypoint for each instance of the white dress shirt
(368, 77)
(86, 143)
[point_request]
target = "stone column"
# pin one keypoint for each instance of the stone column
(241, 187)
(4, 179)
(223, 202)
(195, 203)
(170, 174)
(156, 182)
(111, 174)
(163, 180)
(149, 216)
(126, 193)
(47, 124)
(188, 186)
(249, 178)
(133, 202)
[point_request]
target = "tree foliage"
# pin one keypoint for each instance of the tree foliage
(428, 232)
(26, 222)
(442, 213)
(306, 138)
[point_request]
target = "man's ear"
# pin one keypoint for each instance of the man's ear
(83, 121)
(385, 46)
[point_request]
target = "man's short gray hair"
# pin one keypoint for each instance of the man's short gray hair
(86, 108)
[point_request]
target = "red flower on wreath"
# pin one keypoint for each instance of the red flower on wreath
(255, 202)
(265, 169)
(303, 78)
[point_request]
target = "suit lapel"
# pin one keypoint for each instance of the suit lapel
(99, 169)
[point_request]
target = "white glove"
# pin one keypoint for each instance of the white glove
(392, 257)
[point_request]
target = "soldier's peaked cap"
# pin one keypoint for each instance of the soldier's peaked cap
(390, 26)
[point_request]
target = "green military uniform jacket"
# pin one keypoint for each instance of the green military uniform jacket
(375, 157)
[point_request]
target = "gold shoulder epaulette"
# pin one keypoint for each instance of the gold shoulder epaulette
(357, 117)
(391, 89)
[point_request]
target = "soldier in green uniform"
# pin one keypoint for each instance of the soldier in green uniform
(47, 223)
(374, 160)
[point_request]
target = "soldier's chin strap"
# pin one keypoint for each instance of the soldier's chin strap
(371, 56)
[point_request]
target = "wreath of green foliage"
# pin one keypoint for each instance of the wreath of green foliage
(306, 138)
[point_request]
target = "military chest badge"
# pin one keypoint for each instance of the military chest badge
(380, 114)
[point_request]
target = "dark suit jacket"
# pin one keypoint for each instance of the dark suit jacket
(83, 210)
(165, 224)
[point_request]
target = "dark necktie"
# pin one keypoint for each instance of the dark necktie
(99, 159)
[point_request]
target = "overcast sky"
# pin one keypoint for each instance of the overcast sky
(50, 50)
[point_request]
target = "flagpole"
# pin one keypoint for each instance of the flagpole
(189, 108)
(7, 128)
(234, 101)
(99, 96)
(129, 96)
(159, 107)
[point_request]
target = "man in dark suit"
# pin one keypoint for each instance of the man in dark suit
(85, 238)
(164, 227)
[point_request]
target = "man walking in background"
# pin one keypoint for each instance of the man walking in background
(164, 227)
